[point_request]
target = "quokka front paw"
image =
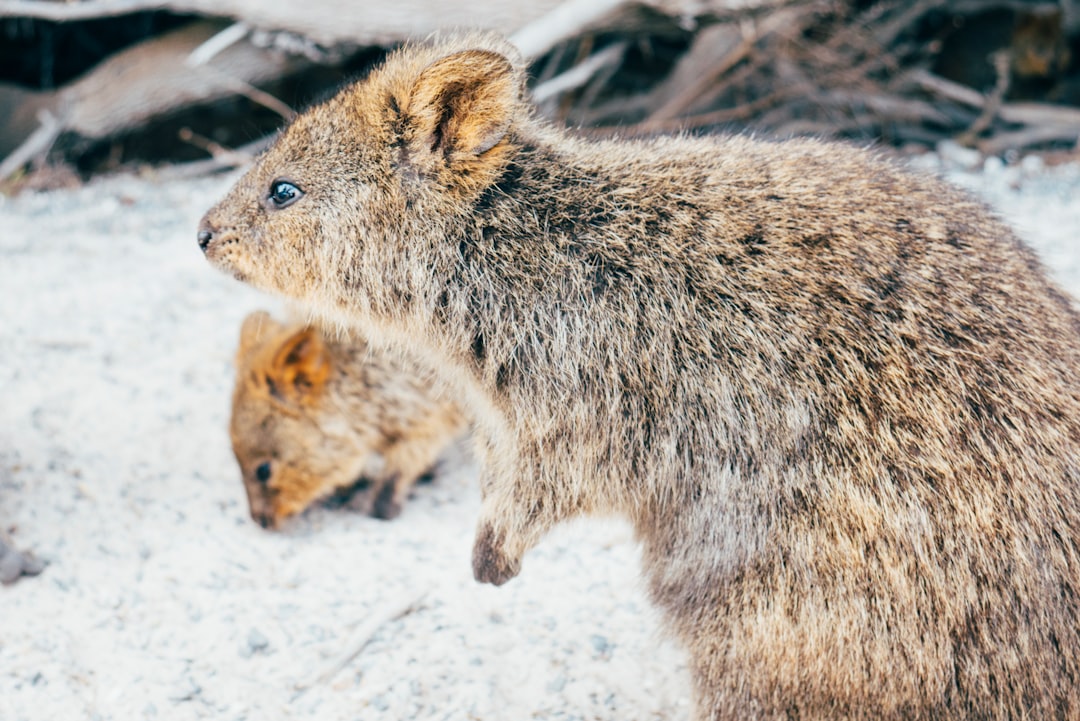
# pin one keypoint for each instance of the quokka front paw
(490, 562)
(387, 506)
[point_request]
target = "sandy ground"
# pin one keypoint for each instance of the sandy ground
(163, 600)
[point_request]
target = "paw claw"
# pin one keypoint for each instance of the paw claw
(386, 507)
(490, 564)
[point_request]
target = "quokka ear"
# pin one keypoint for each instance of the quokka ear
(462, 105)
(300, 367)
(255, 328)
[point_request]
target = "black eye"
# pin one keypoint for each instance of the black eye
(283, 194)
(262, 473)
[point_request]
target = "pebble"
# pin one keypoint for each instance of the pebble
(256, 643)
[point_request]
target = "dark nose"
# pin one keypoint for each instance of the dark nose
(266, 520)
(204, 238)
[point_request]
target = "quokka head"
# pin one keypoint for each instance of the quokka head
(371, 175)
(292, 441)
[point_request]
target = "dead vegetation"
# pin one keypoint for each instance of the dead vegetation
(192, 85)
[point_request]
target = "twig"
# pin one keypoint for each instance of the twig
(580, 74)
(563, 22)
(233, 159)
(892, 107)
(946, 88)
(85, 10)
(702, 120)
(751, 36)
(249, 91)
(553, 63)
(887, 33)
(710, 45)
(210, 48)
(216, 150)
(691, 92)
(992, 104)
(362, 637)
(38, 143)
(1040, 114)
(595, 86)
(1017, 140)
(1019, 113)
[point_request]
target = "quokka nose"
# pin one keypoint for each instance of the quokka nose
(204, 238)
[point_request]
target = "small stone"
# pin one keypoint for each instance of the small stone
(256, 643)
(557, 684)
(14, 564)
(600, 643)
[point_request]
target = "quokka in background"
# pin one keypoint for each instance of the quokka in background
(314, 413)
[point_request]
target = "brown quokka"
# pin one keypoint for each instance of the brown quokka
(839, 401)
(312, 414)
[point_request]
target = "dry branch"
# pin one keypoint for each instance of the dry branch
(216, 163)
(39, 143)
(382, 22)
(830, 67)
(146, 81)
(580, 74)
(568, 19)
(363, 636)
(1035, 135)
(1019, 113)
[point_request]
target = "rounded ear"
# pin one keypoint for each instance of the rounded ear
(300, 367)
(463, 104)
(256, 327)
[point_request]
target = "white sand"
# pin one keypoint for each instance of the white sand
(163, 600)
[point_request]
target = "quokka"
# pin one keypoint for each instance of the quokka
(839, 401)
(313, 414)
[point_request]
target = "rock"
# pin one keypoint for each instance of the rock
(15, 564)
(256, 643)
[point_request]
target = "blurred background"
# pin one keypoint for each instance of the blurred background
(185, 87)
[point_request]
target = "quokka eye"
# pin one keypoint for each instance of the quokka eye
(283, 194)
(262, 472)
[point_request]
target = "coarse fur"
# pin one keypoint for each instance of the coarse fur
(839, 401)
(313, 413)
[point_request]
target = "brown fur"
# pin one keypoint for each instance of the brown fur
(318, 410)
(840, 402)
